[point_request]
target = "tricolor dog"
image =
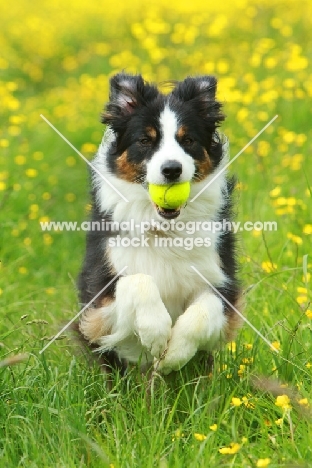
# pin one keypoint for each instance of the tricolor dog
(178, 285)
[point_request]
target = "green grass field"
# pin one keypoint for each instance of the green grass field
(56, 410)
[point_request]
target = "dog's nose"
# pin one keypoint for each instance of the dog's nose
(171, 169)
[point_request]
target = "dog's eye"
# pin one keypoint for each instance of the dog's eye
(188, 141)
(145, 141)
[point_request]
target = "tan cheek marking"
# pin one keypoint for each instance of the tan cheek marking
(151, 132)
(126, 170)
(203, 168)
(234, 321)
(92, 325)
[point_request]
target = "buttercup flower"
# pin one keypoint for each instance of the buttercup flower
(283, 402)
(231, 450)
(263, 462)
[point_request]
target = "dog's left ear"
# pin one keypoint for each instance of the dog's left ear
(127, 93)
(202, 91)
(203, 87)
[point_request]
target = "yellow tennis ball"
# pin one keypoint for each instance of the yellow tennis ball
(170, 196)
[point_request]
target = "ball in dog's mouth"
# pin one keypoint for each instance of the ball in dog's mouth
(168, 213)
(169, 198)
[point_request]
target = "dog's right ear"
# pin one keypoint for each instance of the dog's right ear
(127, 93)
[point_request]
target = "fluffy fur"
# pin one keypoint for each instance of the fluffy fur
(160, 308)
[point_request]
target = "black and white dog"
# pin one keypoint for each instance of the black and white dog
(160, 309)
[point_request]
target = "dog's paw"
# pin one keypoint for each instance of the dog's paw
(199, 328)
(180, 351)
(154, 330)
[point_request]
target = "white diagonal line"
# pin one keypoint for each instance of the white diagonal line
(235, 157)
(236, 310)
(85, 159)
(82, 310)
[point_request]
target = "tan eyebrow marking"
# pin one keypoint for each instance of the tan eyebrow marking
(182, 131)
(151, 132)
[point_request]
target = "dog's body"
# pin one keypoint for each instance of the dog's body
(160, 307)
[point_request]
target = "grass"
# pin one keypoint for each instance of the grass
(55, 408)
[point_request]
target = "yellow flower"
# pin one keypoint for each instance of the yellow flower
(283, 402)
(279, 421)
(296, 239)
(307, 229)
(302, 299)
(263, 462)
(232, 346)
(44, 219)
(4, 143)
(231, 450)
(200, 437)
(247, 403)
(280, 201)
(303, 402)
(309, 313)
(248, 346)
(268, 267)
(275, 192)
(236, 401)
(247, 360)
(50, 291)
(2, 186)
(31, 172)
(38, 155)
(20, 160)
(276, 345)
(16, 119)
(88, 148)
(214, 427)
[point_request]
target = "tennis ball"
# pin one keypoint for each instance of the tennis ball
(170, 196)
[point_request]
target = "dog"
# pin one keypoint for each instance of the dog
(177, 296)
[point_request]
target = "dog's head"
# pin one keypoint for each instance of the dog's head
(162, 139)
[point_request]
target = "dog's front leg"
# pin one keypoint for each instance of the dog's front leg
(200, 327)
(138, 311)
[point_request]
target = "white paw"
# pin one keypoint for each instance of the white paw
(180, 351)
(142, 313)
(154, 329)
(199, 328)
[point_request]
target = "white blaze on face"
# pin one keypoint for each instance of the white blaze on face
(169, 150)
